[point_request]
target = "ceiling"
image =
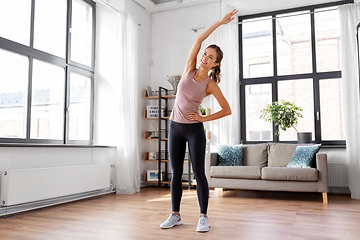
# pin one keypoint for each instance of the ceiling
(163, 5)
(245, 7)
(164, 1)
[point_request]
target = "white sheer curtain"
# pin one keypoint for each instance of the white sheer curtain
(349, 16)
(226, 130)
(116, 93)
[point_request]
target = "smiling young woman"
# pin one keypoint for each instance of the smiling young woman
(186, 124)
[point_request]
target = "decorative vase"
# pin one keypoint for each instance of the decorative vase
(174, 81)
(304, 137)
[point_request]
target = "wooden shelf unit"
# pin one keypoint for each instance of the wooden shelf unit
(146, 158)
(154, 118)
(157, 97)
(163, 98)
(147, 136)
(146, 181)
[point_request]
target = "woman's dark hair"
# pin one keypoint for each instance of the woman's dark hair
(215, 71)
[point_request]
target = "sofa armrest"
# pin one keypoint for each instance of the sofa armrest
(210, 160)
(322, 167)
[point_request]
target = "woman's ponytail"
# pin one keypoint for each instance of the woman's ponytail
(215, 73)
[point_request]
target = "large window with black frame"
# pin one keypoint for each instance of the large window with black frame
(292, 55)
(46, 71)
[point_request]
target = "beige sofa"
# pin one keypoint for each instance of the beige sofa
(265, 168)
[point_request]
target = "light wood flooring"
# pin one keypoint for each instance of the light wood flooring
(233, 214)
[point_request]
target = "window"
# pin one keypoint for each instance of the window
(300, 92)
(258, 54)
(331, 110)
(50, 26)
(260, 70)
(15, 18)
(292, 55)
(260, 89)
(47, 102)
(47, 71)
(79, 108)
(13, 94)
(293, 43)
(81, 33)
(254, 104)
(260, 135)
(327, 40)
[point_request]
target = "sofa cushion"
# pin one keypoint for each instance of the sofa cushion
(230, 155)
(246, 172)
(280, 154)
(304, 156)
(290, 174)
(255, 155)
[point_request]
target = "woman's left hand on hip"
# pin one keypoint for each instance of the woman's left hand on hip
(194, 116)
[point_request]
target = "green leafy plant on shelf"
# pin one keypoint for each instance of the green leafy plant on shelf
(202, 110)
(284, 115)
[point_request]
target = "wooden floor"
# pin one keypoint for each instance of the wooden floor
(233, 214)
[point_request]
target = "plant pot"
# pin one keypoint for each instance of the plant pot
(304, 137)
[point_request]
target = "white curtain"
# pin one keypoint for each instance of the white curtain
(226, 130)
(116, 94)
(349, 16)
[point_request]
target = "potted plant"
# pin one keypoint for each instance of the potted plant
(285, 115)
(202, 111)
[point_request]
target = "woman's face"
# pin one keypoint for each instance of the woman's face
(208, 58)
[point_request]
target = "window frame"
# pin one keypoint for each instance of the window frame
(316, 76)
(69, 66)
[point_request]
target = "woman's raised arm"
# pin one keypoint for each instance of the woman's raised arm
(192, 58)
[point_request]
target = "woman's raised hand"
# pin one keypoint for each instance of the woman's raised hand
(229, 17)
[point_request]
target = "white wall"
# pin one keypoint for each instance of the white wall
(172, 38)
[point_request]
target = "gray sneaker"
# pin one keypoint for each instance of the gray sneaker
(172, 220)
(203, 225)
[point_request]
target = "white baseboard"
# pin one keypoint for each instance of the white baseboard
(4, 211)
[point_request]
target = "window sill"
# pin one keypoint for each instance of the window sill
(333, 146)
(53, 145)
(324, 145)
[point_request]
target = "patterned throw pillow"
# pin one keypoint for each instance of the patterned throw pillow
(304, 156)
(230, 155)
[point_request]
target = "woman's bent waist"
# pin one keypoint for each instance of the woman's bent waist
(186, 123)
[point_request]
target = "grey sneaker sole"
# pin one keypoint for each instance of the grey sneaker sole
(203, 230)
(175, 224)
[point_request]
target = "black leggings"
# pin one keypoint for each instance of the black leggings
(194, 134)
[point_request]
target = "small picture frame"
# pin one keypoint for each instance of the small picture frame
(149, 91)
(152, 155)
(152, 175)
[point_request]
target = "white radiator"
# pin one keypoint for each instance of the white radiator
(338, 175)
(30, 185)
